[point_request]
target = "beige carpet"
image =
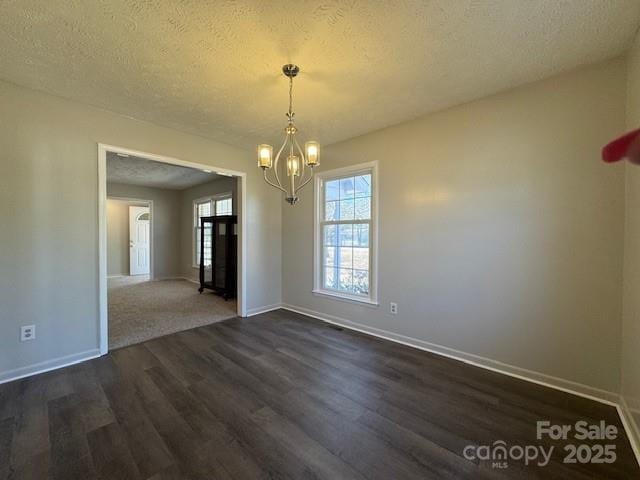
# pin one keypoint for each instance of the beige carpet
(140, 309)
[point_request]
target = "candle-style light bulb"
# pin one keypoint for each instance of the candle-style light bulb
(265, 156)
(312, 149)
(293, 165)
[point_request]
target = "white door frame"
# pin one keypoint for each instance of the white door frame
(147, 203)
(103, 331)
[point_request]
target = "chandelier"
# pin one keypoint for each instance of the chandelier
(295, 167)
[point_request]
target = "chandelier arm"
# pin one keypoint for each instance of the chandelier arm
(266, 179)
(277, 161)
(305, 182)
(302, 157)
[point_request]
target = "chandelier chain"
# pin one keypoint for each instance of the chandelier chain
(290, 98)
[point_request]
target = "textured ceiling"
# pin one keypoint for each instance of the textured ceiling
(213, 67)
(147, 173)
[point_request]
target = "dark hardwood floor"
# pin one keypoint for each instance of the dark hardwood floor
(282, 396)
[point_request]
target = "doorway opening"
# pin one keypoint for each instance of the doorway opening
(150, 245)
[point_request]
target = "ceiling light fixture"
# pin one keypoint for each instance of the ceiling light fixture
(206, 171)
(123, 155)
(297, 159)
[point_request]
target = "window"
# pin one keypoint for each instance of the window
(207, 207)
(224, 206)
(346, 233)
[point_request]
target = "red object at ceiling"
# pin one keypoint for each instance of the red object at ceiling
(627, 146)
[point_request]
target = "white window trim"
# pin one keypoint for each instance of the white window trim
(320, 178)
(218, 196)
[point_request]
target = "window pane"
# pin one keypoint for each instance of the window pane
(346, 188)
(330, 278)
(331, 211)
(361, 282)
(361, 258)
(224, 207)
(197, 259)
(346, 210)
(204, 209)
(363, 185)
(345, 279)
(345, 235)
(363, 208)
(361, 235)
(332, 190)
(345, 257)
(330, 235)
(207, 247)
(330, 256)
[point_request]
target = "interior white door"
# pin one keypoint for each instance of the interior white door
(139, 247)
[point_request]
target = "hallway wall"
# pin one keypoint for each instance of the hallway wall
(166, 215)
(117, 238)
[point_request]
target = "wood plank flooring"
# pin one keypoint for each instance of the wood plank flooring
(280, 395)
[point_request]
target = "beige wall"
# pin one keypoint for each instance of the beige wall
(631, 318)
(166, 218)
(501, 230)
(117, 237)
(216, 187)
(49, 212)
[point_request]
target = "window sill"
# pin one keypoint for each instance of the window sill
(346, 298)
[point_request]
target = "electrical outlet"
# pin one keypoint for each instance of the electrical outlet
(393, 308)
(27, 332)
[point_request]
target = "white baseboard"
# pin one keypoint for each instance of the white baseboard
(269, 308)
(178, 277)
(630, 426)
(568, 386)
(60, 362)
